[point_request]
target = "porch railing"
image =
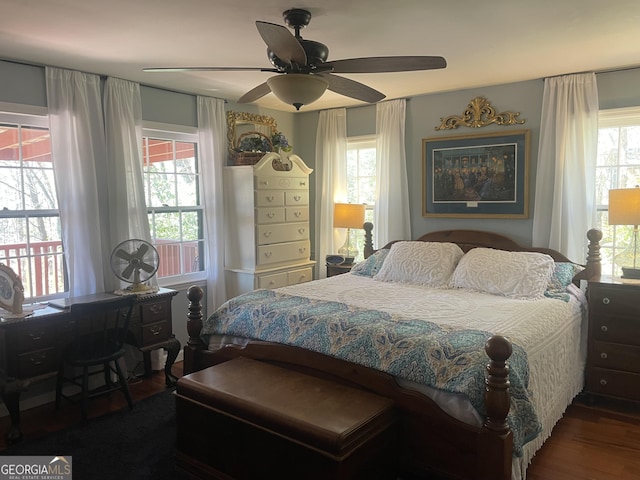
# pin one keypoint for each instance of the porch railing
(40, 265)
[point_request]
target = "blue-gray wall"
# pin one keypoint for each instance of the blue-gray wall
(25, 84)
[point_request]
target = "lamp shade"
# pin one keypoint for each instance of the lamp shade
(624, 206)
(348, 215)
(297, 89)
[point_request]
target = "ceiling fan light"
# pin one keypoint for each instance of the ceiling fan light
(297, 89)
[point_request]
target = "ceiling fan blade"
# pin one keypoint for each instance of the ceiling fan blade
(255, 93)
(282, 43)
(386, 64)
(209, 69)
(351, 88)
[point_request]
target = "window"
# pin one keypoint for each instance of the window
(30, 233)
(172, 193)
(361, 178)
(618, 166)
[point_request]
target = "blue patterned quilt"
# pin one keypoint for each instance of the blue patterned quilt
(416, 350)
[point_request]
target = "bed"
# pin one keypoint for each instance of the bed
(480, 359)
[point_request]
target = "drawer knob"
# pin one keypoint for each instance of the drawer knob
(604, 328)
(298, 213)
(267, 234)
(302, 249)
(297, 198)
(303, 184)
(156, 330)
(604, 355)
(301, 231)
(603, 382)
(606, 300)
(267, 254)
(271, 214)
(270, 198)
(156, 308)
(264, 182)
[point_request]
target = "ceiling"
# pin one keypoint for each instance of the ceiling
(487, 42)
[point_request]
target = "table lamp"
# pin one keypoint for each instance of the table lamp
(348, 215)
(624, 209)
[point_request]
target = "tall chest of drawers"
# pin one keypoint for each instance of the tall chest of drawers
(613, 364)
(267, 238)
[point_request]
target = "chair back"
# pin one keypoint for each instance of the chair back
(105, 321)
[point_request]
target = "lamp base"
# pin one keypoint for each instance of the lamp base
(628, 272)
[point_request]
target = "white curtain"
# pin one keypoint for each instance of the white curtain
(391, 216)
(212, 127)
(127, 207)
(331, 181)
(77, 144)
(566, 165)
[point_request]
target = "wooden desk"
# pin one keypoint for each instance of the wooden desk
(30, 347)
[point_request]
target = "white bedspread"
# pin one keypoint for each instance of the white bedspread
(550, 331)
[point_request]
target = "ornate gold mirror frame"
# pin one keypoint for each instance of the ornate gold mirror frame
(243, 122)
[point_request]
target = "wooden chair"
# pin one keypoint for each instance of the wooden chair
(99, 334)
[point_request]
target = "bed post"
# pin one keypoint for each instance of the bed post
(594, 267)
(194, 326)
(368, 239)
(497, 438)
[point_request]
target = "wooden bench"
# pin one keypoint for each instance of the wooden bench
(245, 419)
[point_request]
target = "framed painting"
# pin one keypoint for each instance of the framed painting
(476, 176)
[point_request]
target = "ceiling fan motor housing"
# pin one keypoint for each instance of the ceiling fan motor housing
(317, 53)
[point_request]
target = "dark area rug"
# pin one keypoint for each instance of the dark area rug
(125, 445)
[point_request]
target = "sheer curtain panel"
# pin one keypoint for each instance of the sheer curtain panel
(331, 181)
(212, 127)
(391, 216)
(566, 165)
(127, 207)
(77, 144)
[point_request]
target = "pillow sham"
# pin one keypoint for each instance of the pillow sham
(520, 275)
(370, 266)
(423, 263)
(563, 274)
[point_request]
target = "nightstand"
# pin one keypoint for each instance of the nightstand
(613, 363)
(333, 270)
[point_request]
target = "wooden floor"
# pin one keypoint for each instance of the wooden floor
(592, 442)
(39, 421)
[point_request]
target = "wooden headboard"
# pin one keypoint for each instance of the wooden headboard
(468, 239)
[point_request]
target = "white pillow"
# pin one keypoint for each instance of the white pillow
(522, 275)
(424, 263)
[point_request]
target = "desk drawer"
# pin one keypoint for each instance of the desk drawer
(155, 333)
(156, 312)
(35, 336)
(38, 362)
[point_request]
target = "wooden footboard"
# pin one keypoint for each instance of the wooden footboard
(433, 443)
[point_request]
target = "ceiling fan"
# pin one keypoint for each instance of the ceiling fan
(304, 72)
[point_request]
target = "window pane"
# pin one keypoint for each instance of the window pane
(30, 238)
(187, 190)
(618, 166)
(10, 188)
(36, 147)
(39, 189)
